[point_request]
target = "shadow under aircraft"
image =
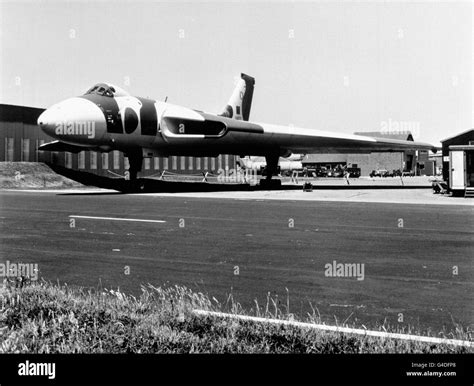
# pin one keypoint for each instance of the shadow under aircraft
(152, 185)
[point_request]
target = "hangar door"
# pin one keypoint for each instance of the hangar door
(457, 171)
(470, 168)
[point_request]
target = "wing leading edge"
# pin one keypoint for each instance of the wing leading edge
(304, 140)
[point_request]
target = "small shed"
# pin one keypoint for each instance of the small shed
(458, 163)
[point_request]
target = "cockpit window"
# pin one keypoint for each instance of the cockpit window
(108, 90)
(102, 89)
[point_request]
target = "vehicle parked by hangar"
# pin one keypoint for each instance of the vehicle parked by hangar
(385, 173)
(354, 172)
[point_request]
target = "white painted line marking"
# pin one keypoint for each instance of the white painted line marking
(116, 219)
(357, 331)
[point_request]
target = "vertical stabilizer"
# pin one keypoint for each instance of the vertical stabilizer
(240, 102)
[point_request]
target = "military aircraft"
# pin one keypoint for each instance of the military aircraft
(107, 118)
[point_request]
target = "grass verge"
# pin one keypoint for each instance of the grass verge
(48, 318)
(32, 175)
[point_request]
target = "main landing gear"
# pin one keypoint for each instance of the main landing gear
(272, 170)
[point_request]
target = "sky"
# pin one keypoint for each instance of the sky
(342, 66)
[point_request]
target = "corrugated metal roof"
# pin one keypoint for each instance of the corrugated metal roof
(13, 113)
(458, 135)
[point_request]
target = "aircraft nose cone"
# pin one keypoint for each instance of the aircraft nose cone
(75, 120)
(41, 119)
(46, 121)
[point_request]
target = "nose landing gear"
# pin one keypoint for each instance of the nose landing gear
(135, 184)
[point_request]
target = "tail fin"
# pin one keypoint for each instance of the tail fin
(240, 102)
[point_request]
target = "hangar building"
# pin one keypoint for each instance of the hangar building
(407, 161)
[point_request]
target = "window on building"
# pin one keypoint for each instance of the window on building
(126, 163)
(105, 161)
(206, 163)
(174, 162)
(190, 163)
(93, 160)
(219, 162)
(198, 163)
(182, 163)
(226, 161)
(147, 163)
(213, 163)
(25, 150)
(68, 159)
(156, 163)
(116, 156)
(39, 155)
(81, 160)
(165, 163)
(9, 149)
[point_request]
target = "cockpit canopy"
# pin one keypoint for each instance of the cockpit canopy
(108, 90)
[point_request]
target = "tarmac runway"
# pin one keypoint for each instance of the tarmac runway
(416, 259)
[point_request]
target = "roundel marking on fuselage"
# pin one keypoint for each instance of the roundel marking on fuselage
(130, 119)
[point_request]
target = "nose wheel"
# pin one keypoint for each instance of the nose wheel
(135, 161)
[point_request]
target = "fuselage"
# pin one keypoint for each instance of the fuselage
(118, 121)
